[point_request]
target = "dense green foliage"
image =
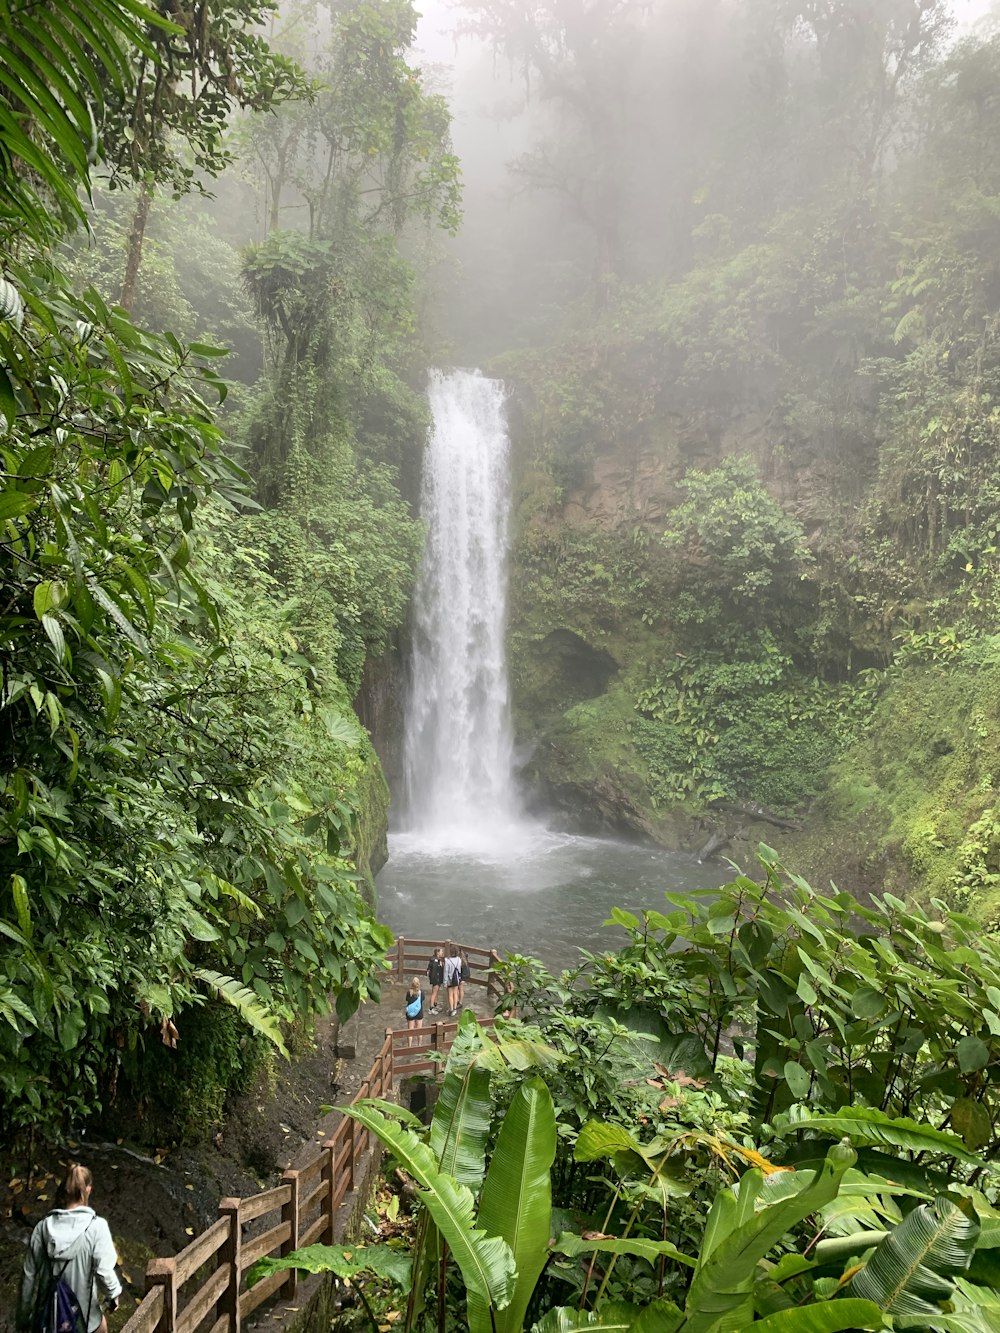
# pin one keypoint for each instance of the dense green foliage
(188, 806)
(763, 428)
(769, 1107)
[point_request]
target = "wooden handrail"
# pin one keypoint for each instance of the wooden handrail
(320, 1185)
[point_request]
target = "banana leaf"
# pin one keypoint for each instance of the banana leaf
(976, 1309)
(908, 1272)
(719, 1298)
(461, 1125)
(826, 1317)
(865, 1125)
(516, 1201)
(486, 1262)
(959, 1321)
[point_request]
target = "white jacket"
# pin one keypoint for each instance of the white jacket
(81, 1239)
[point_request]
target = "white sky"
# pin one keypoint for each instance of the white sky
(438, 17)
(967, 11)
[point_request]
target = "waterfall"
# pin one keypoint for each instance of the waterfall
(458, 751)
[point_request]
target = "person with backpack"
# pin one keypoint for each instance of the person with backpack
(466, 974)
(70, 1256)
(435, 975)
(414, 1006)
(452, 976)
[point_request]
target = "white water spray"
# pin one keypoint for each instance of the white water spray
(458, 750)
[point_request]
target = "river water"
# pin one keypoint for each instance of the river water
(548, 895)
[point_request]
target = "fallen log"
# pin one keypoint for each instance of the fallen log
(751, 811)
(715, 843)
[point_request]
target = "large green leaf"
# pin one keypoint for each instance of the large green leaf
(344, 1260)
(461, 1124)
(975, 1309)
(516, 1201)
(826, 1317)
(599, 1141)
(486, 1262)
(865, 1125)
(659, 1316)
(637, 1246)
(616, 1318)
(908, 1273)
(863, 1203)
(719, 1297)
(959, 1321)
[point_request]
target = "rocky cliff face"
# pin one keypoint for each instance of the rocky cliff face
(592, 624)
(379, 706)
(906, 802)
(581, 633)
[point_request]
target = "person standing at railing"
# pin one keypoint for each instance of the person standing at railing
(73, 1244)
(435, 975)
(452, 976)
(414, 1006)
(466, 974)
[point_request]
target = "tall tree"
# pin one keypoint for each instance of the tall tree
(583, 60)
(206, 61)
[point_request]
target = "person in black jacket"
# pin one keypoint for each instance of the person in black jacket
(435, 975)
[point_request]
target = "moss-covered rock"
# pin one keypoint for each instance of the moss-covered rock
(914, 805)
(586, 766)
(371, 822)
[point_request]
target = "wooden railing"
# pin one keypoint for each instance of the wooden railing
(202, 1289)
(409, 958)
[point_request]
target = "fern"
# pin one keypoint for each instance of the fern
(245, 1003)
(52, 98)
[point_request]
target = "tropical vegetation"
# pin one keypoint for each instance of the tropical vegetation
(756, 372)
(771, 1107)
(756, 367)
(190, 811)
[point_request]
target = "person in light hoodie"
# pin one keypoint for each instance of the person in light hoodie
(74, 1243)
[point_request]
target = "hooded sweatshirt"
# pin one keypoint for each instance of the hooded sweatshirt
(82, 1239)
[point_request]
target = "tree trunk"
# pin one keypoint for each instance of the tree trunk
(133, 257)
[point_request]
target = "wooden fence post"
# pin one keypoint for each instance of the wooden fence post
(163, 1273)
(290, 1214)
(229, 1302)
(492, 985)
(400, 950)
(438, 1038)
(330, 1148)
(392, 1062)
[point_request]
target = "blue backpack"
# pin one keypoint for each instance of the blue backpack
(57, 1307)
(414, 1007)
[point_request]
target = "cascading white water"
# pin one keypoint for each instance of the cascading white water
(458, 750)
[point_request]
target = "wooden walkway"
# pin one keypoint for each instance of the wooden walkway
(202, 1289)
